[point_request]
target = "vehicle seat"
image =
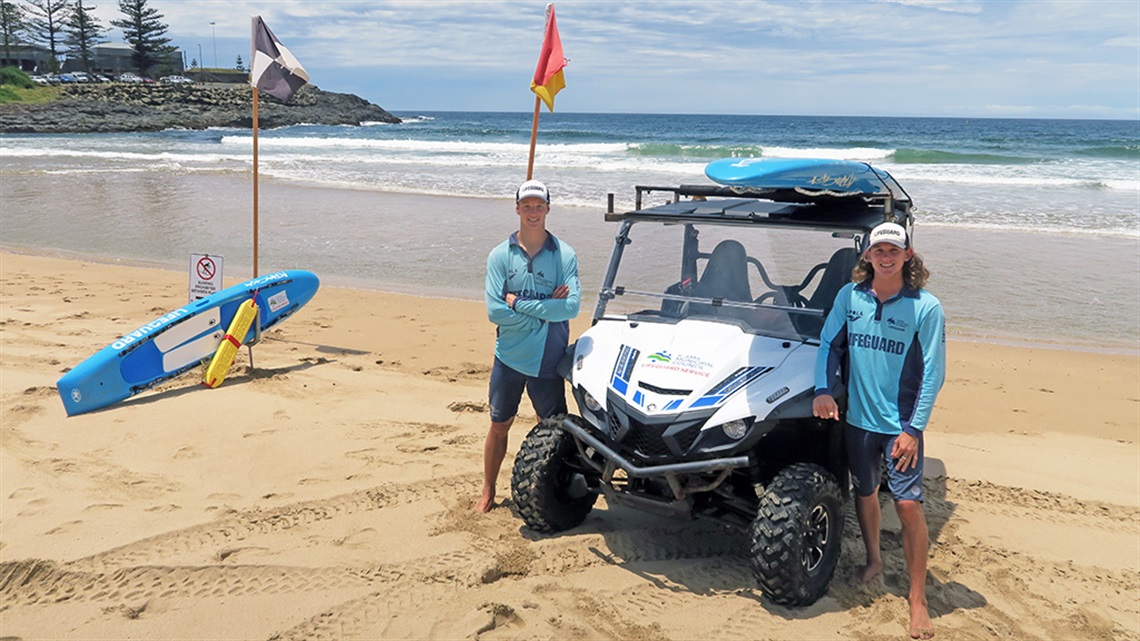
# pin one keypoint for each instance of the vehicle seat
(726, 274)
(725, 277)
(835, 276)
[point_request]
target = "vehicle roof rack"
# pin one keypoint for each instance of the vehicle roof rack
(786, 207)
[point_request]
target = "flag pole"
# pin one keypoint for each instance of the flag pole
(257, 323)
(533, 138)
(255, 127)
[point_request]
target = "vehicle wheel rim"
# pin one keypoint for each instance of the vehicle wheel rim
(816, 537)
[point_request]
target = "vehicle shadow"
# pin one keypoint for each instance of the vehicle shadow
(707, 558)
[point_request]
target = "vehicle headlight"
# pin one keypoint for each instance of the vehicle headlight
(592, 403)
(735, 430)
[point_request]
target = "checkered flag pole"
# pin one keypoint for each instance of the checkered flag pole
(276, 72)
(273, 69)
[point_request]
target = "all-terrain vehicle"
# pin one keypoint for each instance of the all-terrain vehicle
(696, 380)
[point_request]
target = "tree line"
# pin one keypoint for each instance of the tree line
(68, 27)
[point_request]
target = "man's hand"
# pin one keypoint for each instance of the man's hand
(511, 298)
(562, 291)
(906, 451)
(824, 406)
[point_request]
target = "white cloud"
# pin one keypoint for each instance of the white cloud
(917, 57)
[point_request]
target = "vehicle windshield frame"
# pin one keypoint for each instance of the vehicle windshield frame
(786, 317)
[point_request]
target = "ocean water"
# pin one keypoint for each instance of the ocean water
(1032, 227)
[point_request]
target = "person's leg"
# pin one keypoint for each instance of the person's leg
(870, 517)
(864, 460)
(548, 395)
(494, 451)
(506, 390)
(916, 544)
(906, 487)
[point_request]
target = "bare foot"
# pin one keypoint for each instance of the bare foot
(486, 502)
(921, 627)
(869, 572)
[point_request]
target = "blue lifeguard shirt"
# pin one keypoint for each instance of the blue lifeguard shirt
(894, 353)
(533, 336)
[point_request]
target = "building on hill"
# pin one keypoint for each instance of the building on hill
(114, 58)
(33, 59)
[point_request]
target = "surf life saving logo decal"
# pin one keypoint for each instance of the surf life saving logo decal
(683, 363)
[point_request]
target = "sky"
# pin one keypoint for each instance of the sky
(952, 58)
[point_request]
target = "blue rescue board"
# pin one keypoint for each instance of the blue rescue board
(177, 342)
(839, 177)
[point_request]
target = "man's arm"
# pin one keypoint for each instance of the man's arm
(494, 293)
(557, 309)
(932, 339)
(832, 345)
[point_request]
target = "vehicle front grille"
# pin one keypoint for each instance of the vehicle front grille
(651, 441)
(647, 439)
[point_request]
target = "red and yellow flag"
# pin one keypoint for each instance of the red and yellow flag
(548, 79)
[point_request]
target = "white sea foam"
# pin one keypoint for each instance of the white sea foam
(850, 153)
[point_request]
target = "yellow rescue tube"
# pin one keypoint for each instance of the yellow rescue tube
(228, 349)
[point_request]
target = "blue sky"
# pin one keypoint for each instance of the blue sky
(968, 58)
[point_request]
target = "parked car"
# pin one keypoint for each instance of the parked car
(175, 80)
(41, 80)
(129, 77)
(81, 76)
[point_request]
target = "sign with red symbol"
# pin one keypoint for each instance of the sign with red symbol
(205, 275)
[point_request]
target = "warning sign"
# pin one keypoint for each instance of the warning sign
(205, 275)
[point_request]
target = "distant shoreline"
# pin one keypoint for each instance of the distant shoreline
(118, 107)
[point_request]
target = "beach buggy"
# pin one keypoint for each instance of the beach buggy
(695, 382)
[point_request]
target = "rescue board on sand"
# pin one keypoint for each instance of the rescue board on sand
(177, 342)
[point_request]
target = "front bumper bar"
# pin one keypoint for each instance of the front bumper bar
(669, 471)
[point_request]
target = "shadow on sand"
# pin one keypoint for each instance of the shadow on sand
(707, 558)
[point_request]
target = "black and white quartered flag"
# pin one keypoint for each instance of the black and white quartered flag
(272, 68)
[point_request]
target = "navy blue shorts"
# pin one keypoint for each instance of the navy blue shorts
(866, 453)
(547, 395)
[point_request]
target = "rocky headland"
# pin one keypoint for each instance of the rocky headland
(152, 107)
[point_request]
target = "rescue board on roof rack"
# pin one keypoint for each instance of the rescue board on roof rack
(805, 176)
(177, 342)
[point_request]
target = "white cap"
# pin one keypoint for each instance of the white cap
(532, 189)
(888, 233)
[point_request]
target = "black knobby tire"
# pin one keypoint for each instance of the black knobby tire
(797, 535)
(548, 488)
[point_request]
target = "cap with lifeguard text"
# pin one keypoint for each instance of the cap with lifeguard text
(532, 189)
(888, 233)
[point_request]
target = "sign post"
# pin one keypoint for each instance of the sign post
(205, 275)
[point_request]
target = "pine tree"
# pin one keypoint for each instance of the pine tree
(239, 65)
(145, 31)
(13, 24)
(83, 31)
(45, 25)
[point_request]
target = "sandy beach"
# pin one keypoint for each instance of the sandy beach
(326, 494)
